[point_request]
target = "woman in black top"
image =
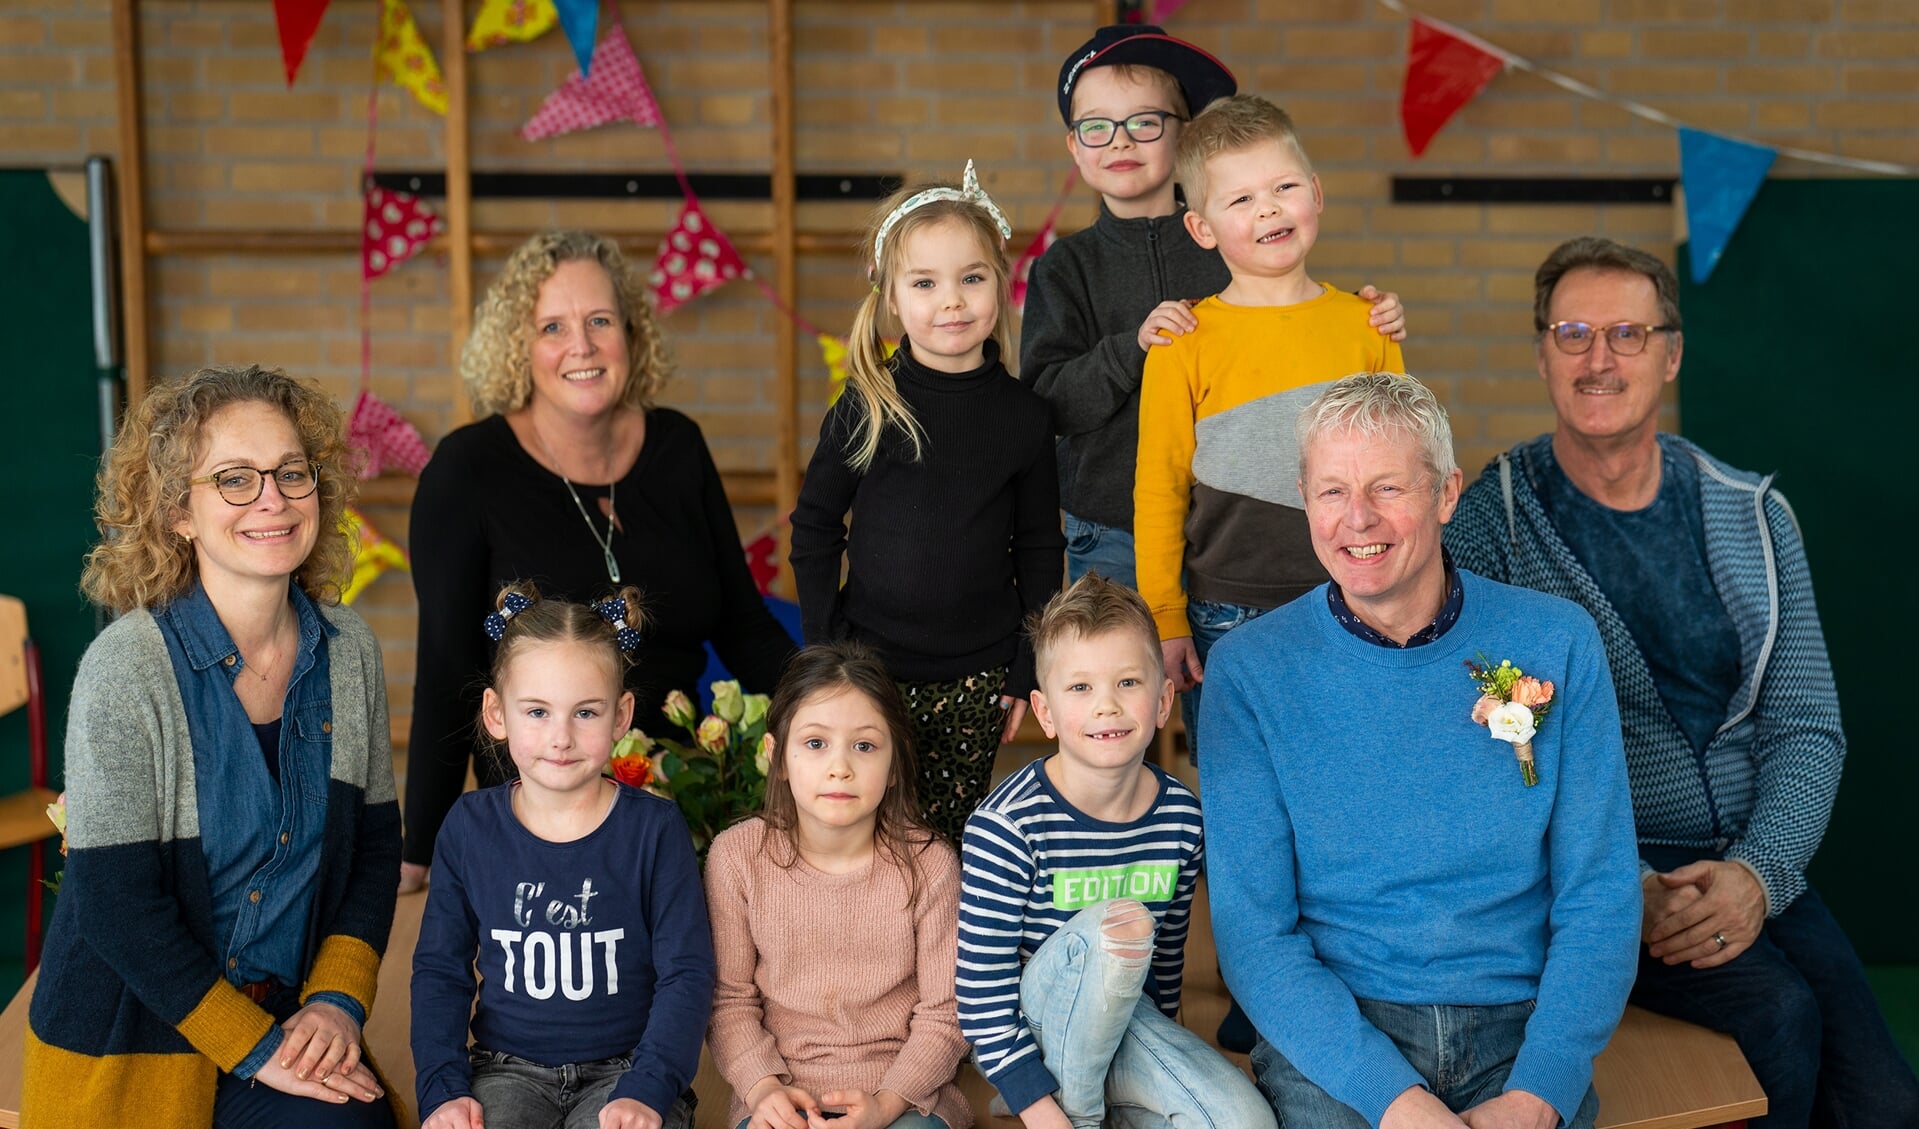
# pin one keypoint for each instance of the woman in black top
(572, 479)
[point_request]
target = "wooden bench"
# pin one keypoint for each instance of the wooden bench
(1658, 1073)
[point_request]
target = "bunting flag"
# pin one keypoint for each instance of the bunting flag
(1721, 176)
(1443, 73)
(405, 58)
(833, 352)
(1024, 267)
(580, 19)
(298, 20)
(501, 22)
(1164, 8)
(389, 441)
(396, 226)
(613, 90)
(373, 554)
(761, 562)
(694, 258)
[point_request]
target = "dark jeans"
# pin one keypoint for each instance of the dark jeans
(1799, 1006)
(238, 1103)
(1464, 1053)
(516, 1094)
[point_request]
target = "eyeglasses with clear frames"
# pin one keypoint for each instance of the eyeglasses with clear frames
(1624, 338)
(1147, 125)
(243, 485)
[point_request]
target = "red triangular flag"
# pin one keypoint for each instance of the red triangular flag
(298, 20)
(390, 442)
(1024, 267)
(694, 258)
(1443, 73)
(396, 227)
(614, 89)
(760, 552)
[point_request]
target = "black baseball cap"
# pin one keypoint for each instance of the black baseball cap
(1201, 77)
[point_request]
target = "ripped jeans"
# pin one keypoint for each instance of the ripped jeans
(1112, 1050)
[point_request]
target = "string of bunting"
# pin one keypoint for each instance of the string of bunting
(1446, 67)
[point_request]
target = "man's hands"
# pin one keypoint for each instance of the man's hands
(1182, 662)
(1514, 1109)
(1417, 1108)
(1388, 316)
(1167, 321)
(863, 1110)
(1686, 908)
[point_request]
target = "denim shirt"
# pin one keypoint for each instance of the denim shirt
(261, 836)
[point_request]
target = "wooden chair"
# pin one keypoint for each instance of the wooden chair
(23, 815)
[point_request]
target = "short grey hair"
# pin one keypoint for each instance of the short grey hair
(1376, 403)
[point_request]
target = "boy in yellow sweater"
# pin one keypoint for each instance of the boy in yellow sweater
(1219, 522)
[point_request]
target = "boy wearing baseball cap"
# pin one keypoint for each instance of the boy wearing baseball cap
(1100, 297)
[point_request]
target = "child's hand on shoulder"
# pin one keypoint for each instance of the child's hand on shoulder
(460, 1113)
(626, 1113)
(1174, 317)
(1388, 316)
(777, 1106)
(863, 1110)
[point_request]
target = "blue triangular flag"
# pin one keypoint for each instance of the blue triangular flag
(1721, 178)
(581, 21)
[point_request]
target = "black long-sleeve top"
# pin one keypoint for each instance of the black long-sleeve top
(1079, 345)
(947, 555)
(487, 513)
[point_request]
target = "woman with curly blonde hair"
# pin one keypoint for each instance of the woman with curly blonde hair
(231, 822)
(576, 479)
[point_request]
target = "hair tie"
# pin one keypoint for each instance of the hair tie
(968, 192)
(613, 611)
(513, 605)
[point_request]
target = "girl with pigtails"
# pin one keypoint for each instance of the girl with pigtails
(576, 898)
(946, 465)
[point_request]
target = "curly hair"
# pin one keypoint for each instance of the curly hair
(496, 366)
(142, 487)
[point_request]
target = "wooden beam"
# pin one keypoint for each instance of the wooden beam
(459, 195)
(130, 198)
(786, 377)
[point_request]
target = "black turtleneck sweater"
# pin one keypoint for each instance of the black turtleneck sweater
(948, 554)
(1079, 345)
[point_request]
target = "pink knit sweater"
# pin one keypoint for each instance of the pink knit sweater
(827, 980)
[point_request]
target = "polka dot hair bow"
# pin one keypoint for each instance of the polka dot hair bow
(513, 605)
(613, 611)
(969, 191)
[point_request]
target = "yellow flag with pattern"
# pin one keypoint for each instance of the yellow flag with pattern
(405, 58)
(501, 22)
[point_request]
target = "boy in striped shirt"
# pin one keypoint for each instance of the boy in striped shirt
(1078, 888)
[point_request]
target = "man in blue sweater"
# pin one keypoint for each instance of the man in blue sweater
(1428, 925)
(1697, 578)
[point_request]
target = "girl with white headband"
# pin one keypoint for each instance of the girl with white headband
(946, 465)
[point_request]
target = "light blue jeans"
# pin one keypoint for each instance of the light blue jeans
(1464, 1053)
(1210, 623)
(1108, 549)
(517, 1094)
(1115, 1055)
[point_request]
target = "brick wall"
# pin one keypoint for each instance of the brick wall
(916, 87)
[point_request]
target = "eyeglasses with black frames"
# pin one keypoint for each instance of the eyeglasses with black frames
(242, 485)
(1147, 125)
(1625, 338)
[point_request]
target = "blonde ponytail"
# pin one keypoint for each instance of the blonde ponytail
(869, 375)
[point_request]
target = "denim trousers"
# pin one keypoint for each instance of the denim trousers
(1210, 623)
(516, 1094)
(1106, 549)
(1798, 1004)
(1117, 1058)
(1463, 1053)
(240, 1103)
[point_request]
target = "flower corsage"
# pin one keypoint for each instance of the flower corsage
(1512, 706)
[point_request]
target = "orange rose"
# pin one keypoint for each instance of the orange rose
(635, 770)
(1531, 692)
(1484, 707)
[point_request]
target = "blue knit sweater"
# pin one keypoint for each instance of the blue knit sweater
(1369, 840)
(1762, 791)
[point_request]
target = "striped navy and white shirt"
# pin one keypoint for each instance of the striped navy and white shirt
(1031, 861)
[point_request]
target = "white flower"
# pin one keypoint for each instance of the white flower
(1512, 722)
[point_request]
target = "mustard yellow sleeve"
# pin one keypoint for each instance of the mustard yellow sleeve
(1395, 360)
(1163, 482)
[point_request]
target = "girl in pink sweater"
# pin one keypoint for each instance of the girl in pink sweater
(835, 919)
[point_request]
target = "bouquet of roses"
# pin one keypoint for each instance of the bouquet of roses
(1512, 706)
(717, 775)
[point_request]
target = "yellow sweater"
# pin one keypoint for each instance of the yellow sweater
(1217, 493)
